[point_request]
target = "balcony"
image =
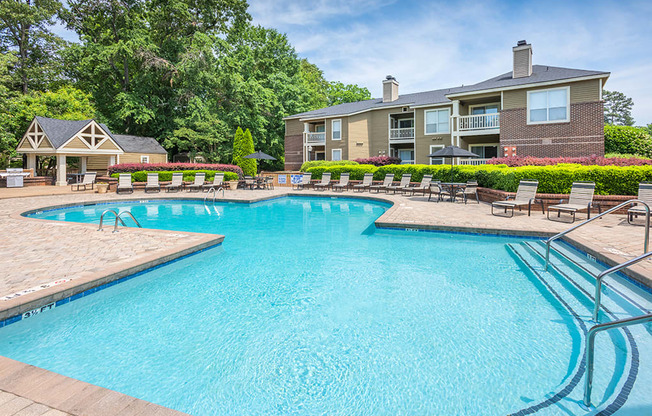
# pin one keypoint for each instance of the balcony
(474, 162)
(479, 124)
(401, 135)
(315, 138)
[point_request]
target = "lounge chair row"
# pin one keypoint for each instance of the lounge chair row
(153, 185)
(426, 186)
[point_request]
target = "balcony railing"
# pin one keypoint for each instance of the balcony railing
(479, 122)
(315, 138)
(473, 161)
(404, 133)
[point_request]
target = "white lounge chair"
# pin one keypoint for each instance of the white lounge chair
(389, 178)
(645, 195)
(305, 182)
(405, 182)
(471, 188)
(581, 197)
(525, 195)
(325, 181)
(176, 184)
(199, 182)
(367, 181)
(124, 183)
(344, 182)
(152, 184)
(218, 181)
(89, 180)
(422, 187)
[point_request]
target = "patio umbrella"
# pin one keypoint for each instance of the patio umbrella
(452, 152)
(260, 156)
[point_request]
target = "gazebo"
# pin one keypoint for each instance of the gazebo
(94, 144)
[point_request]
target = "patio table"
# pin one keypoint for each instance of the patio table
(452, 188)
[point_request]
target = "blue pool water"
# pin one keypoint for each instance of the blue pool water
(307, 309)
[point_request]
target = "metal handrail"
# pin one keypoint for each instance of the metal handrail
(212, 189)
(115, 227)
(629, 202)
(590, 348)
(102, 218)
(598, 281)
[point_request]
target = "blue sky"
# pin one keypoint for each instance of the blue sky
(436, 44)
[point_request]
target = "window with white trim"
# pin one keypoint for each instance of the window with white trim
(436, 160)
(437, 121)
(336, 130)
(336, 154)
(548, 106)
(144, 159)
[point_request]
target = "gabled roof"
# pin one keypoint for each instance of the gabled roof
(540, 74)
(138, 144)
(60, 131)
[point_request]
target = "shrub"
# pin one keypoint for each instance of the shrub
(188, 175)
(556, 179)
(313, 163)
(626, 139)
(586, 161)
(176, 167)
(379, 160)
(243, 145)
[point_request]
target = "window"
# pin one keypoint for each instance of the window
(336, 127)
(320, 128)
(144, 159)
(436, 160)
(405, 123)
(318, 156)
(485, 151)
(336, 154)
(406, 156)
(484, 109)
(437, 121)
(548, 106)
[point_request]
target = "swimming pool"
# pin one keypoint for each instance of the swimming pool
(306, 308)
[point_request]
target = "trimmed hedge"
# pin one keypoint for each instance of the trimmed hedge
(629, 160)
(313, 163)
(188, 175)
(553, 179)
(173, 167)
(379, 160)
(629, 140)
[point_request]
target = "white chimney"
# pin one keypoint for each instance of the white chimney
(390, 89)
(522, 59)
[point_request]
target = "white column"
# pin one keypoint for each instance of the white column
(61, 170)
(83, 163)
(112, 160)
(31, 162)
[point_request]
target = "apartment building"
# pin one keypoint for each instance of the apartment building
(534, 110)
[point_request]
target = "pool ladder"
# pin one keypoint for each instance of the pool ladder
(214, 191)
(589, 353)
(117, 218)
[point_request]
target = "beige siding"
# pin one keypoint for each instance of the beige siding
(358, 129)
(25, 145)
(97, 164)
(45, 144)
(135, 157)
(108, 145)
(379, 131)
(422, 141)
(293, 127)
(337, 144)
(76, 143)
(580, 92)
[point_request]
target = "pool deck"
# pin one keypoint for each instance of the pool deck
(44, 261)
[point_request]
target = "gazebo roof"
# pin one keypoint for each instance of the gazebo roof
(138, 144)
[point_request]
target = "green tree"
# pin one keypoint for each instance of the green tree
(243, 145)
(315, 86)
(24, 30)
(339, 93)
(617, 108)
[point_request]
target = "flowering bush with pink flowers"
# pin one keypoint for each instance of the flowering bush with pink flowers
(157, 167)
(585, 161)
(379, 161)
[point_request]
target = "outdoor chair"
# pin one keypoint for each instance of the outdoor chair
(344, 182)
(198, 183)
(218, 181)
(124, 183)
(471, 189)
(305, 182)
(405, 182)
(249, 182)
(423, 187)
(389, 178)
(525, 195)
(268, 182)
(366, 182)
(645, 195)
(325, 181)
(152, 184)
(581, 197)
(89, 180)
(176, 184)
(435, 189)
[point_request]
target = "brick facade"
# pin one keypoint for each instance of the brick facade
(293, 152)
(582, 136)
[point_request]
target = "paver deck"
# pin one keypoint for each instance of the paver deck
(36, 252)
